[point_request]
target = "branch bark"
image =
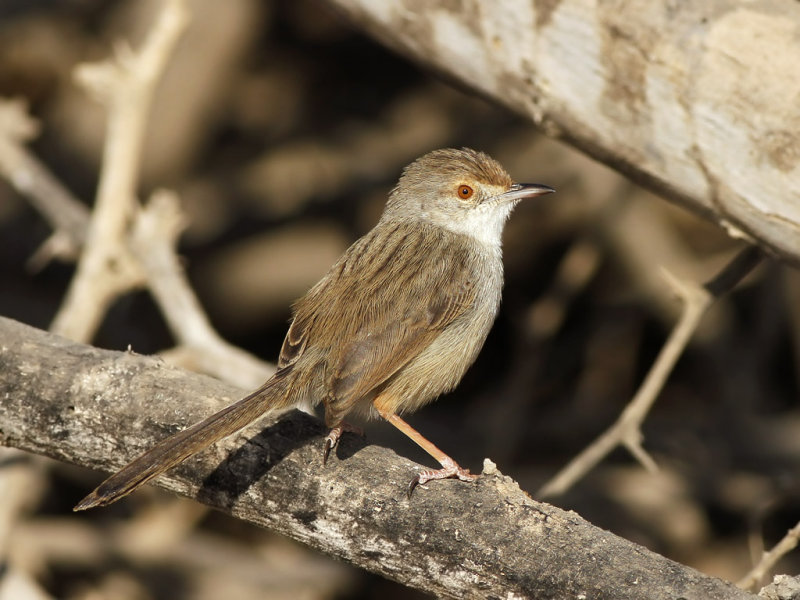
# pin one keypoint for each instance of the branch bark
(100, 408)
(697, 100)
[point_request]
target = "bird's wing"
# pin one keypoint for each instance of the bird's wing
(294, 344)
(382, 347)
(370, 319)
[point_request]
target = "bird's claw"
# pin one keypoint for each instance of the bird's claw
(332, 439)
(451, 470)
(330, 444)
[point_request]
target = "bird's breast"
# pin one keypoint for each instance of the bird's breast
(440, 367)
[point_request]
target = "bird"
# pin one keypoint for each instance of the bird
(395, 323)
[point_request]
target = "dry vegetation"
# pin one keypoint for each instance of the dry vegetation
(280, 130)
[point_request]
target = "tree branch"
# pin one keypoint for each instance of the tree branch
(140, 252)
(65, 213)
(771, 558)
(126, 85)
(154, 241)
(698, 101)
(626, 431)
(490, 539)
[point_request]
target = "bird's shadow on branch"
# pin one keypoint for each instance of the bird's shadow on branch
(250, 462)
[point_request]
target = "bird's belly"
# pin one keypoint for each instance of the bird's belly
(440, 367)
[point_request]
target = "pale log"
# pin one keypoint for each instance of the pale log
(700, 101)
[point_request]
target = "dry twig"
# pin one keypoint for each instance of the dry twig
(131, 246)
(126, 86)
(66, 215)
(626, 431)
(770, 559)
(21, 486)
(153, 240)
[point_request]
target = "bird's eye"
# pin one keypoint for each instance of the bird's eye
(465, 192)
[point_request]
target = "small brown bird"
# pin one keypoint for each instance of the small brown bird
(395, 323)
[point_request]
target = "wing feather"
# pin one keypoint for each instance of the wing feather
(369, 318)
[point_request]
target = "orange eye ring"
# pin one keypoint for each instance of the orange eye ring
(465, 192)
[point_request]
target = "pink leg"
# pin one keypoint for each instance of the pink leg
(449, 467)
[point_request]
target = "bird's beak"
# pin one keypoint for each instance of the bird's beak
(520, 191)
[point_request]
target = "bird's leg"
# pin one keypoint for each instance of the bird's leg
(449, 468)
(332, 439)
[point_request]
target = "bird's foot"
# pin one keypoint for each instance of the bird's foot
(449, 469)
(332, 439)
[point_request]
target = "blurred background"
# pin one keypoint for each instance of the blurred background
(283, 129)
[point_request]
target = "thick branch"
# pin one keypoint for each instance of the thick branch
(698, 100)
(490, 539)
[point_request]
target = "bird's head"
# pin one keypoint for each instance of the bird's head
(463, 190)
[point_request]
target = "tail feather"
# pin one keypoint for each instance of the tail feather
(180, 446)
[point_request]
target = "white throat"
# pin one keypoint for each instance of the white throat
(484, 223)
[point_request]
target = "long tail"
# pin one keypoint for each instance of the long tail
(177, 448)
